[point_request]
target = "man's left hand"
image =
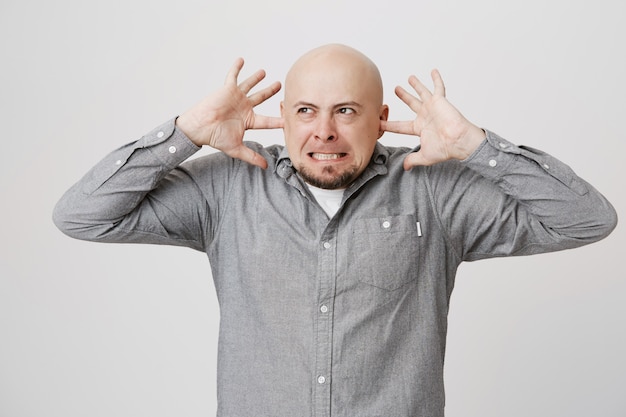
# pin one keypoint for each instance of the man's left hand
(444, 132)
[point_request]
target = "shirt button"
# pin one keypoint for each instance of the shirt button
(386, 224)
(327, 245)
(321, 379)
(503, 145)
(324, 309)
(160, 134)
(546, 166)
(172, 149)
(493, 163)
(118, 162)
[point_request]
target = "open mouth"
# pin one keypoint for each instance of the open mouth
(326, 156)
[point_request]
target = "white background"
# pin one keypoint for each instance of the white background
(129, 330)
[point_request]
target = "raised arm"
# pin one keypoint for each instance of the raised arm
(141, 192)
(522, 201)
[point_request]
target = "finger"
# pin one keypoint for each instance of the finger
(248, 155)
(233, 72)
(260, 96)
(402, 127)
(440, 88)
(421, 90)
(410, 100)
(267, 122)
(247, 84)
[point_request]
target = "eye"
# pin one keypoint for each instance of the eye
(346, 110)
(304, 110)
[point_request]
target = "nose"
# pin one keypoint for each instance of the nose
(325, 129)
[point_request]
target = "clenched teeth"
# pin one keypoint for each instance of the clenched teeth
(327, 156)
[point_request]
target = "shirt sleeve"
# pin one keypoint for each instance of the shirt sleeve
(507, 200)
(139, 194)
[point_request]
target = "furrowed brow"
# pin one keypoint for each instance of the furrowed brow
(348, 104)
(305, 104)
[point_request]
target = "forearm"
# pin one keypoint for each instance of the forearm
(117, 185)
(507, 200)
(546, 187)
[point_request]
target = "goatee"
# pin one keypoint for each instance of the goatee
(330, 179)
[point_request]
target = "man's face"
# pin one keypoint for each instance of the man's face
(332, 111)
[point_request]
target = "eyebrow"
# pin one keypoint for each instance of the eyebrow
(335, 106)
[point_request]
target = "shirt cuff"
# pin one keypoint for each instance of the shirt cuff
(169, 144)
(493, 156)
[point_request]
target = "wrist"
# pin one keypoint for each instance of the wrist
(188, 125)
(472, 139)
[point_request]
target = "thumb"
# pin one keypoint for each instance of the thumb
(415, 159)
(246, 154)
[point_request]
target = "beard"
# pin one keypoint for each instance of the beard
(330, 179)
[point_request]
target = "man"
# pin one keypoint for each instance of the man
(334, 258)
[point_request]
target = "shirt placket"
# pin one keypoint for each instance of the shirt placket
(324, 323)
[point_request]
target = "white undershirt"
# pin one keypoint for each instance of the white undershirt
(329, 200)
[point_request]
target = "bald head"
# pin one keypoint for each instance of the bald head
(331, 63)
(332, 115)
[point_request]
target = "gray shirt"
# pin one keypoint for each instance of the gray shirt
(343, 316)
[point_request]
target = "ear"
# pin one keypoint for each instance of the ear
(282, 109)
(383, 115)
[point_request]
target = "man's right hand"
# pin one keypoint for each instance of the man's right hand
(221, 119)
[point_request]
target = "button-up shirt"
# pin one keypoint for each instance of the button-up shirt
(338, 316)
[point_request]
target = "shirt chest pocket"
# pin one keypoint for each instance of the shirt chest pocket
(384, 251)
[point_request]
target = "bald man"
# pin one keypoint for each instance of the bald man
(333, 257)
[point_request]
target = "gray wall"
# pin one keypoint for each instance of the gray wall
(119, 330)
